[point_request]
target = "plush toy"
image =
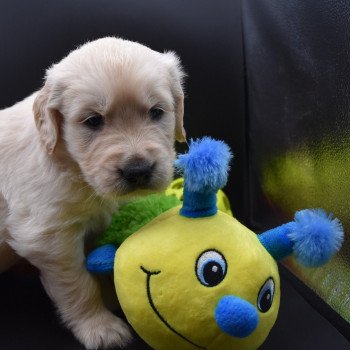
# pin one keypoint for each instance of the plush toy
(191, 277)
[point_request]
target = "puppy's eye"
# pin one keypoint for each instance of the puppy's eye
(156, 113)
(94, 122)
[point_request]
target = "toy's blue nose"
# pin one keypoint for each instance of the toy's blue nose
(236, 317)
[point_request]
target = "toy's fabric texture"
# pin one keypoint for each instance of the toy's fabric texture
(232, 311)
(317, 237)
(191, 277)
(314, 237)
(176, 188)
(156, 268)
(132, 216)
(101, 260)
(205, 168)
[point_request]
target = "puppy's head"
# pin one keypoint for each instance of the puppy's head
(116, 107)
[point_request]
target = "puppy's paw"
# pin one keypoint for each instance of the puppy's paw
(103, 331)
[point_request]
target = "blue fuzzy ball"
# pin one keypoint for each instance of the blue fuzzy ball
(205, 166)
(316, 237)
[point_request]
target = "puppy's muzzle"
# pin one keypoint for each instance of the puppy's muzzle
(137, 173)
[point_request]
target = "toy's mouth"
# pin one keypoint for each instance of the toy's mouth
(150, 300)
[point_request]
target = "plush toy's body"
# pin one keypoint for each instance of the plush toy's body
(169, 297)
(194, 277)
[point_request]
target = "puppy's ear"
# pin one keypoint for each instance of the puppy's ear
(177, 75)
(46, 119)
(180, 132)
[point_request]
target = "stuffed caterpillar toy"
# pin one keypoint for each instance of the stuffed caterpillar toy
(189, 277)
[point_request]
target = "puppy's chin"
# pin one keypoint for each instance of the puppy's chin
(122, 191)
(135, 194)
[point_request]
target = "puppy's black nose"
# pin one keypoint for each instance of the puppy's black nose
(137, 172)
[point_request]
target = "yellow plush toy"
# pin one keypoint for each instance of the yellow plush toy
(192, 277)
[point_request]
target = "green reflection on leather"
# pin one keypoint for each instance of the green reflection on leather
(311, 178)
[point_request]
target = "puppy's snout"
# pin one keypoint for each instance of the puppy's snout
(137, 172)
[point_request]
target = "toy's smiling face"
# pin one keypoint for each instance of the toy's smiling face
(203, 283)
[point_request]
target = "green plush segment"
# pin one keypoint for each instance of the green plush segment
(132, 216)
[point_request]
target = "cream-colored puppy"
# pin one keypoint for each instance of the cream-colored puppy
(101, 129)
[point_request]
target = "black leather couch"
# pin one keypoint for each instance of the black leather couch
(262, 75)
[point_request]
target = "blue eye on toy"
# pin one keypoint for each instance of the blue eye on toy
(265, 296)
(211, 268)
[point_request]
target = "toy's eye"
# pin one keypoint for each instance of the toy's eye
(211, 268)
(265, 296)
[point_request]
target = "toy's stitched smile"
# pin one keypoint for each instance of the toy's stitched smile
(150, 300)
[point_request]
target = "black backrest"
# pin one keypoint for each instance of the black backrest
(298, 110)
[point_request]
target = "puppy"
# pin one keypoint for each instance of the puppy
(102, 129)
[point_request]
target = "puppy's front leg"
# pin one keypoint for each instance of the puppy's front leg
(77, 295)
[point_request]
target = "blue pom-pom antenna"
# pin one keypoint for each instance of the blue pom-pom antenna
(205, 166)
(205, 170)
(313, 237)
(316, 237)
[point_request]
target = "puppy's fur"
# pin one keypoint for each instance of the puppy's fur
(61, 178)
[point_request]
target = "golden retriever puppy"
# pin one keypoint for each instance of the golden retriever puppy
(102, 129)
